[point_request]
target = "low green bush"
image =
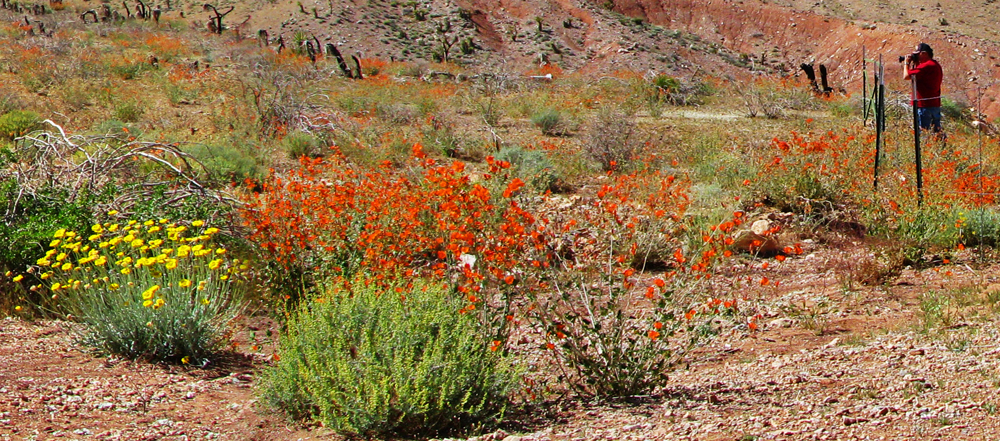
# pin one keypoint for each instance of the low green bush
(155, 290)
(368, 361)
(18, 123)
(299, 144)
(227, 163)
(531, 166)
(128, 111)
(980, 227)
(548, 120)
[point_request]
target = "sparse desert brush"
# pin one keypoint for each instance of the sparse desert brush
(613, 140)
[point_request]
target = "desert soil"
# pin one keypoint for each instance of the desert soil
(856, 366)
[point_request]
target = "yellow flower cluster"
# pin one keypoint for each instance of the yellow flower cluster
(153, 257)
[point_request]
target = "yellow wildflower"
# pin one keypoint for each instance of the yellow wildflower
(220, 251)
(149, 223)
(148, 294)
(66, 266)
(154, 229)
(214, 264)
(126, 270)
(185, 359)
(43, 262)
(196, 223)
(113, 227)
(17, 308)
(59, 233)
(112, 212)
(136, 243)
(54, 243)
(55, 286)
(171, 264)
(46, 275)
(147, 304)
(94, 237)
(18, 278)
(204, 301)
(211, 231)
(155, 243)
(184, 283)
(115, 286)
(159, 303)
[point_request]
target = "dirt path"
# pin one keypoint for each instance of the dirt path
(49, 389)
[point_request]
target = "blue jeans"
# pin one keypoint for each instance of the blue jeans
(930, 117)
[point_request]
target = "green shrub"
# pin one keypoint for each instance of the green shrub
(128, 111)
(299, 144)
(114, 127)
(665, 85)
(548, 120)
(954, 111)
(154, 290)
(227, 163)
(18, 123)
(531, 166)
(981, 227)
(129, 71)
(372, 361)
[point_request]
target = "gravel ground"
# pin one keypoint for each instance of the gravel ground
(863, 370)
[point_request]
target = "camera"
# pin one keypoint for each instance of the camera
(913, 56)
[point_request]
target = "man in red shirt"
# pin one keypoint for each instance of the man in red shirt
(922, 66)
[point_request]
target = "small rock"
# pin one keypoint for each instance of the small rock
(784, 322)
(852, 420)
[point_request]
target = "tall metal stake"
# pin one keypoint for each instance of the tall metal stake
(916, 141)
(879, 102)
(864, 87)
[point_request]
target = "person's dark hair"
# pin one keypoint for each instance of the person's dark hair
(924, 47)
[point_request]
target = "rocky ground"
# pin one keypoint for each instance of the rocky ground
(863, 363)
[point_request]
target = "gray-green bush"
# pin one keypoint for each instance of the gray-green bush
(370, 361)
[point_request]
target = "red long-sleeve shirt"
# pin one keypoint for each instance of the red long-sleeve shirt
(929, 76)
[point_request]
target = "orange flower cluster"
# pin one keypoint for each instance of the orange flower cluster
(331, 217)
